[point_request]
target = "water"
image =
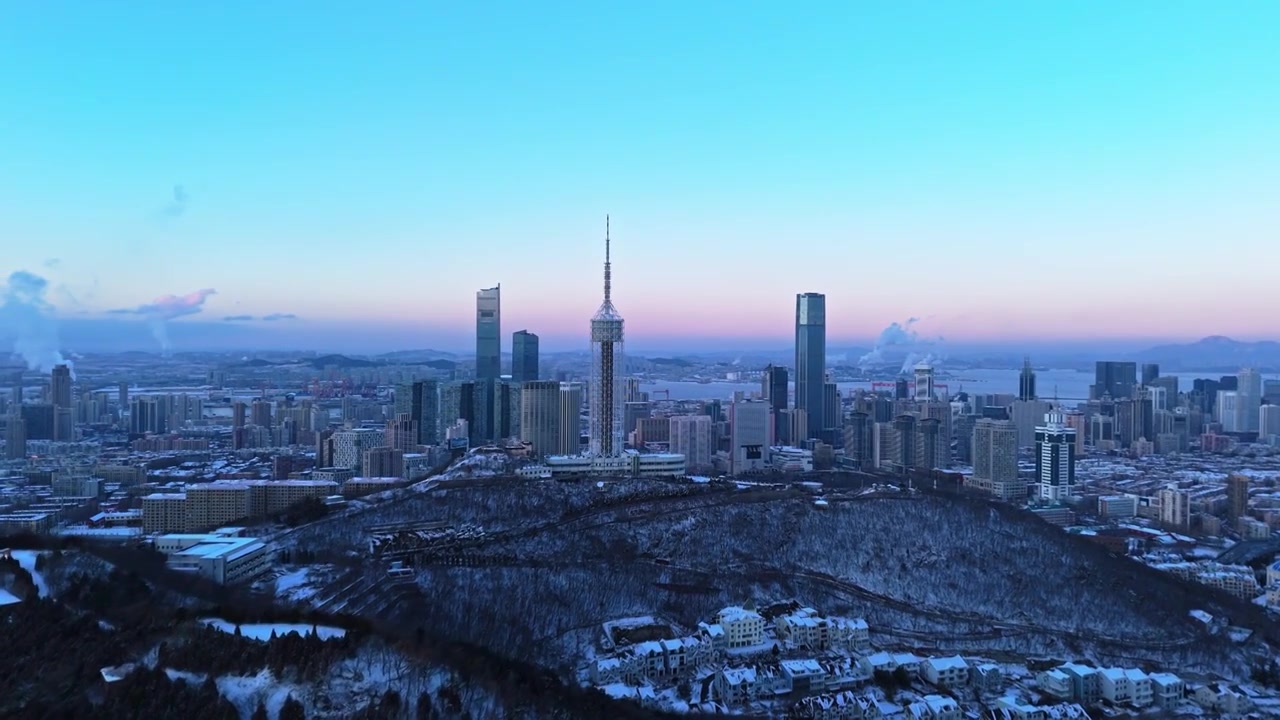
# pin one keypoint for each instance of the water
(1069, 386)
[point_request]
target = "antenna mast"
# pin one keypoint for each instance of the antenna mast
(608, 275)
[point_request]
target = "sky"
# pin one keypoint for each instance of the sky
(1007, 172)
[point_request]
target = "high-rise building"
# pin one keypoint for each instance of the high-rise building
(239, 414)
(402, 432)
(1248, 400)
(383, 462)
(122, 396)
(15, 438)
(995, 458)
(540, 416)
(750, 438)
(1055, 458)
(570, 433)
(524, 356)
(1150, 371)
(60, 386)
(1114, 378)
(924, 382)
(260, 412)
(632, 413)
(607, 369)
(149, 414)
(1227, 411)
(1269, 421)
(1027, 415)
(811, 359)
(420, 400)
(774, 390)
(691, 436)
(1238, 495)
(489, 333)
(349, 446)
(831, 409)
(1027, 381)
(933, 447)
(1175, 507)
(901, 389)
(859, 448)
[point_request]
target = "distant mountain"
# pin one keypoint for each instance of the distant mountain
(341, 361)
(1214, 353)
(418, 357)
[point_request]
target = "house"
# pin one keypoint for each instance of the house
(1225, 699)
(933, 707)
(742, 628)
(1012, 708)
(804, 676)
(1139, 687)
(713, 635)
(908, 662)
(986, 678)
(736, 686)
(661, 659)
(837, 706)
(1086, 683)
(1055, 682)
(851, 633)
(946, 673)
(1115, 685)
(878, 662)
(607, 671)
(1167, 689)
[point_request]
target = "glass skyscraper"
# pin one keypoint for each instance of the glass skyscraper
(811, 358)
(524, 357)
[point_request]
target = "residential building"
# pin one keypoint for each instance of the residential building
(1167, 690)
(540, 423)
(1238, 495)
(995, 458)
(383, 462)
(349, 446)
(742, 628)
(690, 435)
(946, 672)
(774, 390)
(570, 433)
(1175, 508)
(164, 513)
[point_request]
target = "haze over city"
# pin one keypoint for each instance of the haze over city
(274, 178)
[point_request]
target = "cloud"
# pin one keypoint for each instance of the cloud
(238, 318)
(900, 337)
(178, 205)
(29, 316)
(165, 308)
(279, 316)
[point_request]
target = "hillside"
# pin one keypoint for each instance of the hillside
(556, 560)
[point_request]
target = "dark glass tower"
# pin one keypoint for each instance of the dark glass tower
(488, 355)
(1116, 379)
(774, 389)
(811, 358)
(524, 357)
(1027, 381)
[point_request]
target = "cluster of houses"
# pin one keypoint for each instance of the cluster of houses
(740, 660)
(736, 631)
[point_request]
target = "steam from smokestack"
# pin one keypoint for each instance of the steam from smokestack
(169, 307)
(896, 335)
(30, 317)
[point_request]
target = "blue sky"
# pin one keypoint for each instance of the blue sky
(1004, 171)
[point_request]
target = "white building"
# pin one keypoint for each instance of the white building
(742, 628)
(751, 435)
(221, 558)
(628, 463)
(1167, 689)
(1055, 458)
(691, 437)
(1269, 421)
(947, 672)
(791, 459)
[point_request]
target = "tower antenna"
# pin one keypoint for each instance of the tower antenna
(608, 274)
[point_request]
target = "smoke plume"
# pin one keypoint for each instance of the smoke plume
(29, 316)
(160, 311)
(896, 335)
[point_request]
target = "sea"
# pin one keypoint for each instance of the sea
(1071, 387)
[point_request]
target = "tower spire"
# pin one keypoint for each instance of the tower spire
(608, 274)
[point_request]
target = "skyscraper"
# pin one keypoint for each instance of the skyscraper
(1150, 371)
(524, 357)
(540, 416)
(1115, 379)
(773, 388)
(60, 396)
(1027, 381)
(489, 333)
(1055, 457)
(1238, 495)
(924, 382)
(1248, 400)
(691, 437)
(607, 369)
(811, 358)
(420, 400)
(750, 436)
(570, 433)
(995, 457)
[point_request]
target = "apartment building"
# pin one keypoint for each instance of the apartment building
(164, 513)
(946, 672)
(742, 628)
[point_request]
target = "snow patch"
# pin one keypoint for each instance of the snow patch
(8, 598)
(27, 559)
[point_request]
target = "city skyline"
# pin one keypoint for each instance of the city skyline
(956, 145)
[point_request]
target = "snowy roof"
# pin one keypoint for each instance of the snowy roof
(738, 676)
(1165, 679)
(801, 667)
(713, 629)
(734, 613)
(947, 663)
(1135, 675)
